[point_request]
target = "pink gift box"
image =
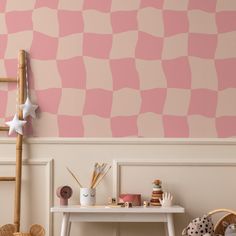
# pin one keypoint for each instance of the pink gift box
(135, 199)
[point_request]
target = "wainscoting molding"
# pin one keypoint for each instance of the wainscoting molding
(48, 165)
(126, 141)
(125, 154)
(117, 164)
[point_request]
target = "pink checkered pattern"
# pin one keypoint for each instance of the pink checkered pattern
(111, 68)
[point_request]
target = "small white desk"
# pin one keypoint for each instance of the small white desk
(109, 214)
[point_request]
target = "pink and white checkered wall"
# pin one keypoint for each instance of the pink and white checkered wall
(123, 68)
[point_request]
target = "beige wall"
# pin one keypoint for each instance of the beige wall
(200, 173)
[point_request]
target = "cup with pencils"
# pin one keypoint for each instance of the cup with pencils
(88, 194)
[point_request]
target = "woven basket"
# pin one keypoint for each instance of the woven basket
(229, 217)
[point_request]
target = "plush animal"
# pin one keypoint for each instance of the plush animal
(201, 226)
(9, 229)
(230, 230)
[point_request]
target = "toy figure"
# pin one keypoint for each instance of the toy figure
(201, 226)
(230, 230)
(156, 193)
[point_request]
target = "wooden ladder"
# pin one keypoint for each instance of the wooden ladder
(19, 138)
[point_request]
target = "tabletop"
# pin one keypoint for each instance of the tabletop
(111, 209)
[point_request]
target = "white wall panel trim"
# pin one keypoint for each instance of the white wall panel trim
(117, 164)
(48, 164)
(126, 141)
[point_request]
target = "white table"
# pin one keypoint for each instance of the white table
(110, 214)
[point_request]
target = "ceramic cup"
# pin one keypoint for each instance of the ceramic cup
(87, 196)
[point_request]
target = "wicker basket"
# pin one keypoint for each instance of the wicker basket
(229, 217)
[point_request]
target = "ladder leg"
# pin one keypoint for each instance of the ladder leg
(19, 140)
(18, 183)
(17, 211)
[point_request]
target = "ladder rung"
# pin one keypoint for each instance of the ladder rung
(7, 178)
(4, 128)
(8, 80)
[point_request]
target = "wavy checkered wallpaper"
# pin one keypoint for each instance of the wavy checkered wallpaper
(121, 68)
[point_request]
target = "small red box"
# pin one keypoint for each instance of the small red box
(135, 199)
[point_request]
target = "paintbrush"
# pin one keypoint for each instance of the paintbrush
(74, 177)
(99, 172)
(94, 172)
(102, 176)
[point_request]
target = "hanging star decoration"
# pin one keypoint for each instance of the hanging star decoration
(28, 108)
(16, 125)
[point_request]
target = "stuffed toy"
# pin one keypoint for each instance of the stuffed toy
(9, 229)
(230, 230)
(202, 226)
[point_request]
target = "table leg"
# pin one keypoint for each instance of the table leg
(69, 227)
(170, 225)
(166, 229)
(65, 224)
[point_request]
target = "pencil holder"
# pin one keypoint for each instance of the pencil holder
(87, 196)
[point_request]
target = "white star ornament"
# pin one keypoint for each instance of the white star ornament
(28, 108)
(16, 125)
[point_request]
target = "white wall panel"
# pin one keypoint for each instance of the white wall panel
(201, 174)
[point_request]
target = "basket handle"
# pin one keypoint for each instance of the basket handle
(221, 210)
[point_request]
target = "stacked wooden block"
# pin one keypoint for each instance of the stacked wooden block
(156, 193)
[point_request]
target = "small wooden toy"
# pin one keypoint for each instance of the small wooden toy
(121, 204)
(111, 201)
(146, 203)
(128, 204)
(64, 193)
(156, 193)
